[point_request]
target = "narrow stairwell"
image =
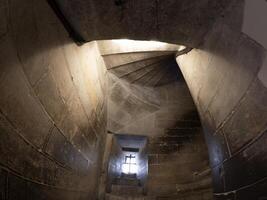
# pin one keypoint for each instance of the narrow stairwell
(127, 168)
(128, 187)
(178, 162)
(149, 68)
(177, 157)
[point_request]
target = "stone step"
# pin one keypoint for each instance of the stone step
(185, 147)
(117, 60)
(182, 131)
(155, 78)
(136, 76)
(124, 70)
(123, 197)
(203, 194)
(175, 159)
(143, 68)
(126, 190)
(127, 181)
(179, 139)
(166, 70)
(159, 77)
(148, 76)
(172, 74)
(187, 124)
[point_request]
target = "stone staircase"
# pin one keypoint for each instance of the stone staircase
(121, 197)
(178, 162)
(126, 188)
(149, 68)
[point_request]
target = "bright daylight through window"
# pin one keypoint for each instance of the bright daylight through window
(129, 166)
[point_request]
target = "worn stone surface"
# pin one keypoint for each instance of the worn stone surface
(3, 185)
(53, 98)
(253, 21)
(151, 67)
(263, 73)
(245, 125)
(176, 162)
(127, 104)
(164, 108)
(52, 107)
(231, 102)
(172, 126)
(144, 20)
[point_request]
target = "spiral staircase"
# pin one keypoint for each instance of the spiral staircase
(148, 67)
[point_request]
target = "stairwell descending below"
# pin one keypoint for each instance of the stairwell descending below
(147, 96)
(127, 171)
(68, 87)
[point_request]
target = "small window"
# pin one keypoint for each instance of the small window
(129, 165)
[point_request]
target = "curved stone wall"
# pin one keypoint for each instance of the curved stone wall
(223, 77)
(143, 20)
(52, 107)
(50, 146)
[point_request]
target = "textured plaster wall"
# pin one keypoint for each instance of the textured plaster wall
(223, 77)
(52, 107)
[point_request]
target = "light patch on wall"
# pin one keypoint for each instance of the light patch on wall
(255, 23)
(125, 45)
(147, 44)
(263, 73)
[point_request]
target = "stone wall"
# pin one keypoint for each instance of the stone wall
(102, 186)
(52, 107)
(254, 23)
(223, 77)
(181, 22)
(143, 167)
(178, 162)
(52, 103)
(128, 103)
(114, 164)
